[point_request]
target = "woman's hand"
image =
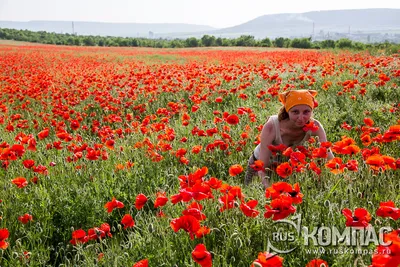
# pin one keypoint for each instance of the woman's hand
(265, 183)
(264, 179)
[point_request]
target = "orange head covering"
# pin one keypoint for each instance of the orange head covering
(297, 97)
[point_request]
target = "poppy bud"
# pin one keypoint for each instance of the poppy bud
(151, 228)
(327, 203)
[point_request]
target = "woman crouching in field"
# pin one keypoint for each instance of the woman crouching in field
(285, 128)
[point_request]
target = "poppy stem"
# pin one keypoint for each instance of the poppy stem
(333, 189)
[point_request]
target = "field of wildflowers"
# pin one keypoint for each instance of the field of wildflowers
(136, 157)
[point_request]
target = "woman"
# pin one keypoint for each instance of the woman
(286, 128)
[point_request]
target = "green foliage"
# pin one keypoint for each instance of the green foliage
(192, 42)
(266, 42)
(245, 40)
(301, 43)
(328, 44)
(344, 43)
(281, 42)
(206, 40)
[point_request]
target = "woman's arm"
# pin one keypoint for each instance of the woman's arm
(322, 137)
(267, 136)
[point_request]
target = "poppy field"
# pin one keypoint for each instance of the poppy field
(137, 157)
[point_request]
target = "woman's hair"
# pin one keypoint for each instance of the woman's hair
(283, 115)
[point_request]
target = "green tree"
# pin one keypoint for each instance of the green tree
(245, 40)
(208, 40)
(177, 43)
(301, 43)
(328, 44)
(88, 41)
(344, 43)
(279, 42)
(191, 42)
(266, 42)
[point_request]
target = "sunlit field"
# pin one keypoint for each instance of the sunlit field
(128, 157)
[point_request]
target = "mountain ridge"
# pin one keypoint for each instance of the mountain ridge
(326, 24)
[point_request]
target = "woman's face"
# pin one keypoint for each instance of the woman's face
(300, 115)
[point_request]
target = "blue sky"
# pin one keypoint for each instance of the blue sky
(215, 13)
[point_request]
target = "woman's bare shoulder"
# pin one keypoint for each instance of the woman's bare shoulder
(269, 125)
(268, 131)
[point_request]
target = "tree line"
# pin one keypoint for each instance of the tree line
(205, 41)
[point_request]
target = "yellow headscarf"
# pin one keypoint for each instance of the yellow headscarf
(297, 97)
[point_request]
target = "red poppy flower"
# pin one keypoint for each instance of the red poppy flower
(28, 163)
(202, 256)
(186, 222)
(376, 162)
(235, 169)
(336, 165)
(346, 126)
(110, 206)
(388, 209)
(105, 227)
(258, 165)
(161, 200)
(366, 140)
(4, 234)
(214, 183)
(361, 217)
(141, 200)
(24, 219)
(313, 166)
(75, 125)
(280, 208)
(350, 150)
(296, 158)
(232, 119)
(266, 259)
(18, 149)
(110, 144)
(79, 237)
(284, 170)
(195, 108)
(321, 152)
(352, 165)
(277, 189)
(203, 231)
(20, 182)
(369, 122)
(295, 194)
(278, 148)
(195, 212)
(339, 146)
(43, 134)
(127, 221)
(388, 255)
(197, 149)
(317, 263)
(142, 263)
(310, 127)
(40, 169)
(248, 208)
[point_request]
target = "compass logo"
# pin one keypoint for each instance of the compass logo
(287, 235)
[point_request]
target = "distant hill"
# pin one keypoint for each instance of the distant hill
(366, 25)
(334, 21)
(106, 29)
